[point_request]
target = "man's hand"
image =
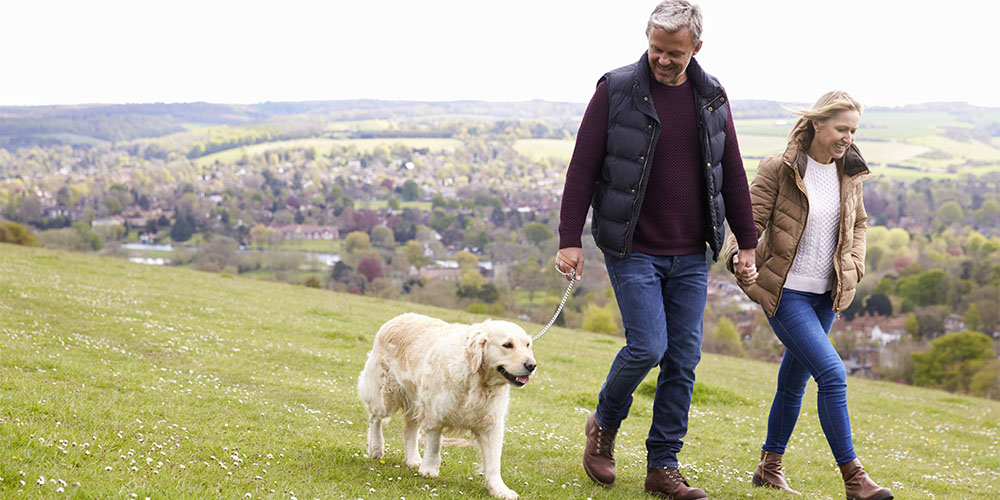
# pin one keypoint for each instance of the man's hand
(569, 259)
(745, 267)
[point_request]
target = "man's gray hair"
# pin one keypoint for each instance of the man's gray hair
(675, 15)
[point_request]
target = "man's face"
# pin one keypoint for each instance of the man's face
(670, 54)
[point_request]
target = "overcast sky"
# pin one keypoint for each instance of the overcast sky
(885, 52)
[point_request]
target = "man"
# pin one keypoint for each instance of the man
(656, 155)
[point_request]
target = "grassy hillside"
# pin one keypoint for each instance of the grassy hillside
(119, 380)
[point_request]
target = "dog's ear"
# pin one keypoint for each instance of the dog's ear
(475, 346)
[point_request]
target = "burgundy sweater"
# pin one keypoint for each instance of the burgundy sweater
(673, 218)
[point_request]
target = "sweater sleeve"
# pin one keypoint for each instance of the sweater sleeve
(739, 210)
(584, 167)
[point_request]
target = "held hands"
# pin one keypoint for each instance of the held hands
(744, 267)
(570, 259)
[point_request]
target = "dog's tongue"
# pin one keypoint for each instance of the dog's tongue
(522, 379)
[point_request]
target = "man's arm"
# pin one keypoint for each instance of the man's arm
(584, 167)
(739, 209)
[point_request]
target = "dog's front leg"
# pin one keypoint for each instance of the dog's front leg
(431, 465)
(491, 445)
(376, 444)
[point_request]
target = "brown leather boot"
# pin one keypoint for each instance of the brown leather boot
(769, 473)
(669, 483)
(599, 454)
(859, 486)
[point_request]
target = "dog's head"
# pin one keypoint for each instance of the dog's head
(500, 350)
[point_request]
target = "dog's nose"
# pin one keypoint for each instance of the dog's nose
(528, 365)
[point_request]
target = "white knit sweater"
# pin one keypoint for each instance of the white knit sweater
(812, 269)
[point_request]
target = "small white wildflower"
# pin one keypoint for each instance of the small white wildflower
(41, 480)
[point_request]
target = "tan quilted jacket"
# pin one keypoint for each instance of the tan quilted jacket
(780, 209)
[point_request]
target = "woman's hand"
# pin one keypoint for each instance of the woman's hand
(745, 267)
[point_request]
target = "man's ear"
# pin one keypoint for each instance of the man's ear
(475, 346)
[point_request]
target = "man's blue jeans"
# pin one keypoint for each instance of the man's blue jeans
(662, 301)
(802, 323)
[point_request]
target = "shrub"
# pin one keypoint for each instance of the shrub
(12, 232)
(953, 361)
(600, 320)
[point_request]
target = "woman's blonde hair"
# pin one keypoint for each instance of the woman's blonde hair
(828, 105)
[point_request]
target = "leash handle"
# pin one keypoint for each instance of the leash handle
(561, 258)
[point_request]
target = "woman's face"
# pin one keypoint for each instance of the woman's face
(834, 136)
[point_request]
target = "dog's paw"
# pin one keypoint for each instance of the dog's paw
(429, 471)
(375, 452)
(504, 493)
(413, 463)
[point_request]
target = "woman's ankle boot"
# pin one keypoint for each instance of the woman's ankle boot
(769, 473)
(859, 486)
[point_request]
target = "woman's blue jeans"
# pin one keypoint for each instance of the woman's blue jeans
(662, 302)
(802, 323)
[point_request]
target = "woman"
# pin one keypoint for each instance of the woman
(811, 224)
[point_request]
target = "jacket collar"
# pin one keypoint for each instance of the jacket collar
(704, 84)
(852, 164)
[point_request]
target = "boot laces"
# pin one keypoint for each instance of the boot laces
(674, 475)
(605, 441)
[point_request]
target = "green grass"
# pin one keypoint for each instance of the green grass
(306, 245)
(118, 379)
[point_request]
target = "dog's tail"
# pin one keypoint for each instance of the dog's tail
(369, 388)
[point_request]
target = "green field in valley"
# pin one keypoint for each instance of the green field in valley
(324, 145)
(898, 145)
(119, 380)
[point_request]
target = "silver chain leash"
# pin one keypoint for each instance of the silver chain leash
(569, 288)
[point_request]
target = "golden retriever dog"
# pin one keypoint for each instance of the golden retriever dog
(445, 376)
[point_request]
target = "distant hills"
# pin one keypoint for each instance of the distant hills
(23, 126)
